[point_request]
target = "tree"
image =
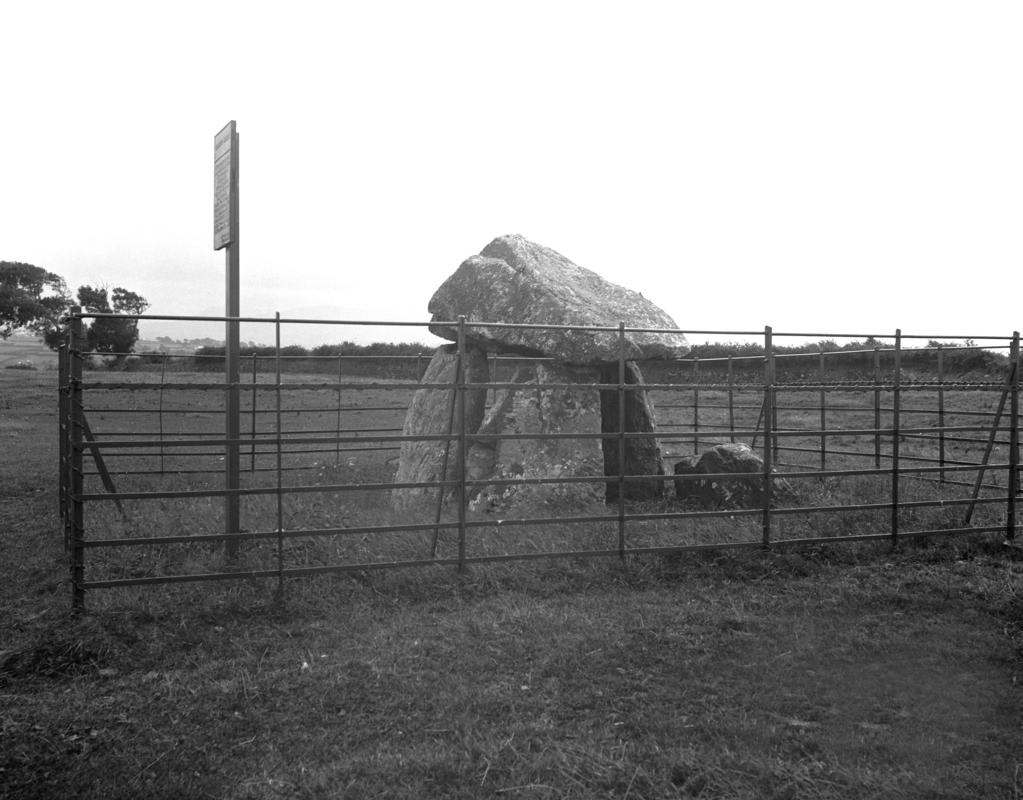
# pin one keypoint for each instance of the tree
(30, 298)
(33, 299)
(112, 335)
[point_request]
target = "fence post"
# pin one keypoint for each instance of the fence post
(877, 408)
(941, 414)
(163, 375)
(774, 405)
(1010, 521)
(824, 415)
(731, 404)
(255, 392)
(76, 511)
(621, 440)
(460, 466)
(280, 458)
(696, 404)
(896, 425)
(232, 448)
(62, 433)
(340, 363)
(769, 377)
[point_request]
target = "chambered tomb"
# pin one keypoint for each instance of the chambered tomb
(515, 282)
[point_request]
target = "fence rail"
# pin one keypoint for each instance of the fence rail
(842, 459)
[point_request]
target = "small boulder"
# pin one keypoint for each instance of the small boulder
(745, 490)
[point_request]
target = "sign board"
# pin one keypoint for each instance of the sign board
(225, 184)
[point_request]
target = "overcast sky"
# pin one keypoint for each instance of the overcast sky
(818, 166)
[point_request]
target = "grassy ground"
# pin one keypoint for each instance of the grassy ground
(844, 672)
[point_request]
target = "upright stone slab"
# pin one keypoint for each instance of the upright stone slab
(642, 454)
(434, 411)
(518, 281)
(536, 410)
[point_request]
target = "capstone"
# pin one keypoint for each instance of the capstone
(518, 281)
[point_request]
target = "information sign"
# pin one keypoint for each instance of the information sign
(224, 185)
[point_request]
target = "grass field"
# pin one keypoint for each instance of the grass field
(846, 671)
(26, 350)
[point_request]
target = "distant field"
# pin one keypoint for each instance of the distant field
(26, 349)
(20, 348)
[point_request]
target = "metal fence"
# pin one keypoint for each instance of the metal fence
(880, 442)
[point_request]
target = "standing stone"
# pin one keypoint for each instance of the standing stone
(537, 410)
(516, 280)
(642, 455)
(434, 411)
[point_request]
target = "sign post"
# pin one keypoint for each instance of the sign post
(225, 235)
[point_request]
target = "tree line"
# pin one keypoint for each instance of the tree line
(379, 359)
(34, 299)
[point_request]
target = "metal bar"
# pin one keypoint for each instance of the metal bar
(537, 326)
(824, 414)
(192, 538)
(312, 410)
(696, 405)
(731, 404)
(267, 438)
(320, 488)
(621, 440)
(101, 467)
(877, 407)
(305, 431)
(280, 480)
(769, 440)
(163, 377)
(76, 516)
(62, 436)
(775, 388)
(461, 467)
(896, 422)
(340, 364)
(902, 456)
(941, 408)
(232, 463)
(1009, 382)
(757, 427)
(252, 427)
(508, 557)
(377, 386)
(1013, 474)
